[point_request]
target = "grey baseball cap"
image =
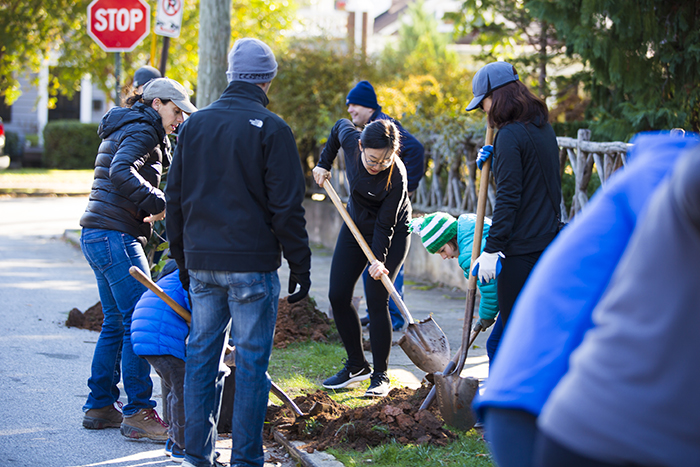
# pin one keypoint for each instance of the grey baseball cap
(488, 79)
(166, 88)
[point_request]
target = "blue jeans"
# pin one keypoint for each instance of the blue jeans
(110, 255)
(245, 303)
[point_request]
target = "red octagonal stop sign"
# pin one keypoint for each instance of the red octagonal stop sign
(118, 25)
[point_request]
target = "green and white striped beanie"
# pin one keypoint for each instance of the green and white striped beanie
(434, 229)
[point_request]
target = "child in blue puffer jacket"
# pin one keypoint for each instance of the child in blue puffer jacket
(451, 238)
(158, 334)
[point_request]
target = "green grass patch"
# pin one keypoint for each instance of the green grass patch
(301, 368)
(467, 451)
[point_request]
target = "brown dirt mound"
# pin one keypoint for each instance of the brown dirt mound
(394, 417)
(90, 320)
(300, 321)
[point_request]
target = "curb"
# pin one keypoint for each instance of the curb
(72, 236)
(315, 459)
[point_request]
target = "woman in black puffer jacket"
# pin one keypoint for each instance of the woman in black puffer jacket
(117, 223)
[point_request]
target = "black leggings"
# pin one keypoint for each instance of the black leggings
(514, 272)
(346, 268)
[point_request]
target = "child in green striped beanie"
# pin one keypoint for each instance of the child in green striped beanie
(450, 238)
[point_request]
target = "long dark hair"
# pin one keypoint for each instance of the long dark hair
(382, 134)
(515, 103)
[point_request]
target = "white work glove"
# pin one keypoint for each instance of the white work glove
(487, 266)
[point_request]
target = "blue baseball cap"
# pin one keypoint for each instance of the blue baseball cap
(488, 79)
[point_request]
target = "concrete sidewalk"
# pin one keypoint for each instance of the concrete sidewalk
(45, 365)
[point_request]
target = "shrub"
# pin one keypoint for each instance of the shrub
(69, 144)
(13, 147)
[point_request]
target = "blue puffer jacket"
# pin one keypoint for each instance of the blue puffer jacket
(488, 306)
(155, 328)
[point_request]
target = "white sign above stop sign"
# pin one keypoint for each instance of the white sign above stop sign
(118, 25)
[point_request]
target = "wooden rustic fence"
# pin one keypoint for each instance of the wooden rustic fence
(450, 183)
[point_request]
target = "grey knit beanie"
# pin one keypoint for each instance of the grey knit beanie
(251, 60)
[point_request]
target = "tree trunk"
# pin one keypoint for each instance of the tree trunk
(214, 43)
(543, 59)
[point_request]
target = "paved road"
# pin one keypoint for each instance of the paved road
(44, 366)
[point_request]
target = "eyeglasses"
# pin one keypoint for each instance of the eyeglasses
(383, 163)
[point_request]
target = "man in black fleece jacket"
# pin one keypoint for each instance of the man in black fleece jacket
(234, 205)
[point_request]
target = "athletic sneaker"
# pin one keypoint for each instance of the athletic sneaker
(169, 447)
(347, 376)
(106, 417)
(177, 454)
(378, 386)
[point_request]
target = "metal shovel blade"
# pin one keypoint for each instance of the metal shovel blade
(426, 345)
(455, 395)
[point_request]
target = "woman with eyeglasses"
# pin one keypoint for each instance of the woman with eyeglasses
(380, 207)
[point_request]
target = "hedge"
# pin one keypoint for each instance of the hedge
(69, 144)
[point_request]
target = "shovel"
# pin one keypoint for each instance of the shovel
(424, 342)
(454, 393)
(187, 316)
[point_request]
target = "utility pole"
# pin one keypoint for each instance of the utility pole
(214, 45)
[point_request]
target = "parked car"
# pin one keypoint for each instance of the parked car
(4, 160)
(2, 138)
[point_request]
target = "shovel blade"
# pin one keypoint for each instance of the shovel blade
(426, 345)
(455, 395)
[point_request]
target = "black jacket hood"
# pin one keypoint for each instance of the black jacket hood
(119, 117)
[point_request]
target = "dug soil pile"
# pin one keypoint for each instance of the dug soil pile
(296, 322)
(301, 321)
(394, 417)
(91, 319)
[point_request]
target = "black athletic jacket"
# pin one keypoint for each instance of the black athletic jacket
(128, 167)
(379, 212)
(526, 169)
(235, 188)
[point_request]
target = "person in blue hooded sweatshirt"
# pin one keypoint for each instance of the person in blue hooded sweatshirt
(159, 335)
(554, 310)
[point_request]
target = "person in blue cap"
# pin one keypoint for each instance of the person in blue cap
(143, 75)
(526, 215)
(363, 109)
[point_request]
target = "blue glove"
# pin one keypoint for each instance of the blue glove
(487, 266)
(484, 153)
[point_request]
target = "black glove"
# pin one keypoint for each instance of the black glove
(304, 281)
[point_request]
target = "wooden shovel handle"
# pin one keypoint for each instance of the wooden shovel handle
(366, 249)
(155, 288)
(476, 251)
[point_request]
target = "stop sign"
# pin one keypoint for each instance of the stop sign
(118, 25)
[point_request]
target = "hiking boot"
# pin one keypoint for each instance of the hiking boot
(99, 419)
(145, 424)
(378, 386)
(347, 376)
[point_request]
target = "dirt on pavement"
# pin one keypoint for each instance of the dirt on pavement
(91, 319)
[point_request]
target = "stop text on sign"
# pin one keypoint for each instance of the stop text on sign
(119, 19)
